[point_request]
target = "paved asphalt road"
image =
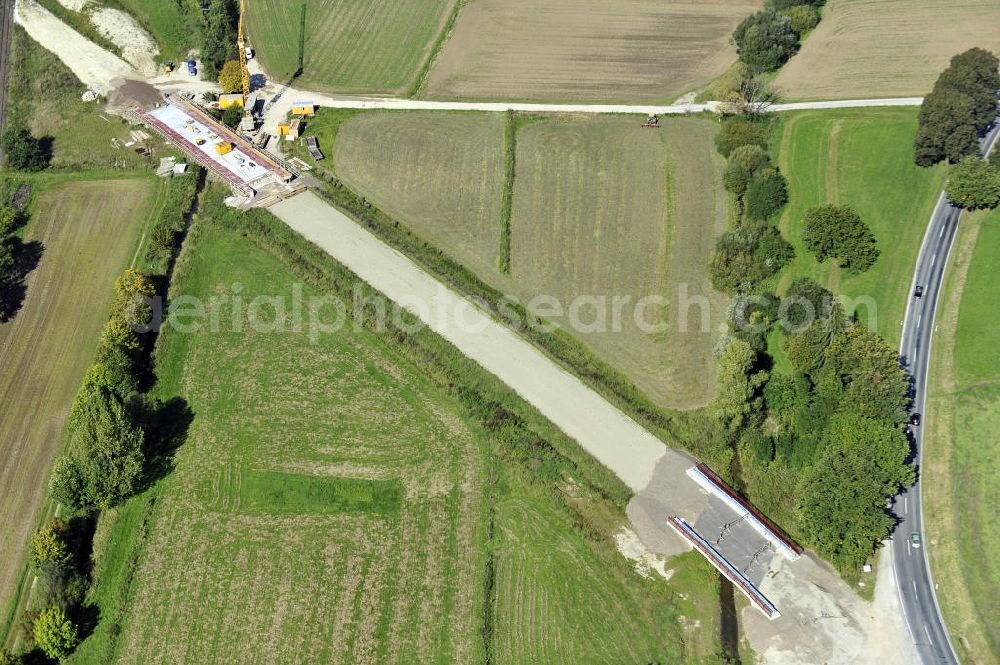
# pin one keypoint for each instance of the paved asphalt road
(923, 616)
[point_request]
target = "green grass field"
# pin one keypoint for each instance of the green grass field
(87, 232)
(44, 96)
(601, 208)
(350, 45)
(863, 159)
(968, 467)
(332, 503)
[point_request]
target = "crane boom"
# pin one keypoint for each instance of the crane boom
(241, 42)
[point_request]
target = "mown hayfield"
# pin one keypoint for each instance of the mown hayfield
(444, 178)
(863, 159)
(546, 574)
(960, 467)
(382, 558)
(601, 208)
(886, 48)
(639, 51)
(605, 208)
(350, 45)
(331, 504)
(87, 232)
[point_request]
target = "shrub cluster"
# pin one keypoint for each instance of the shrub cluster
(62, 583)
(831, 427)
(10, 221)
(961, 105)
(170, 222)
(838, 232)
(753, 252)
(767, 39)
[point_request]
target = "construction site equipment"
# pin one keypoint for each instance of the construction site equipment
(652, 121)
(168, 66)
(283, 129)
(229, 100)
(192, 68)
(295, 129)
(313, 147)
(303, 108)
(223, 147)
(247, 124)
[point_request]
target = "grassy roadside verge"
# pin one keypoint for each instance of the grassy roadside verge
(959, 477)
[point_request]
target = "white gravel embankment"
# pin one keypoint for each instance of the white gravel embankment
(98, 69)
(125, 32)
(604, 431)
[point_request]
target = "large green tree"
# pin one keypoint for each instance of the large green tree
(104, 458)
(766, 40)
(219, 43)
(962, 103)
(739, 385)
(838, 232)
(844, 496)
(974, 183)
(23, 151)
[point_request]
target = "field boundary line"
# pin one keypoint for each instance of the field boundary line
(420, 82)
(507, 202)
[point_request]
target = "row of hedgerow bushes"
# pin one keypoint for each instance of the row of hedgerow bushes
(112, 444)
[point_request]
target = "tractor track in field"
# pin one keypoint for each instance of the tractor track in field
(6, 18)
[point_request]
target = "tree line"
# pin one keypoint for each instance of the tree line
(842, 406)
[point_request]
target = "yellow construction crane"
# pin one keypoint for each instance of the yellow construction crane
(247, 125)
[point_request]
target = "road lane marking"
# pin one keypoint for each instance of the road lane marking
(942, 231)
(915, 588)
(934, 258)
(919, 319)
(909, 551)
(906, 507)
(928, 633)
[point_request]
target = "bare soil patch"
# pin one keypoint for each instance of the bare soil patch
(641, 50)
(886, 48)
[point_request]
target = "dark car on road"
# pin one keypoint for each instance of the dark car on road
(915, 419)
(918, 292)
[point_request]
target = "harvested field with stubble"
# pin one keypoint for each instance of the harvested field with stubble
(601, 208)
(886, 48)
(586, 50)
(445, 177)
(350, 45)
(85, 231)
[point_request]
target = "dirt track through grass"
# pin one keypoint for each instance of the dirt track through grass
(886, 48)
(593, 50)
(87, 230)
(351, 45)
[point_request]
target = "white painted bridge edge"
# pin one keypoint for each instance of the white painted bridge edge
(757, 599)
(712, 488)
